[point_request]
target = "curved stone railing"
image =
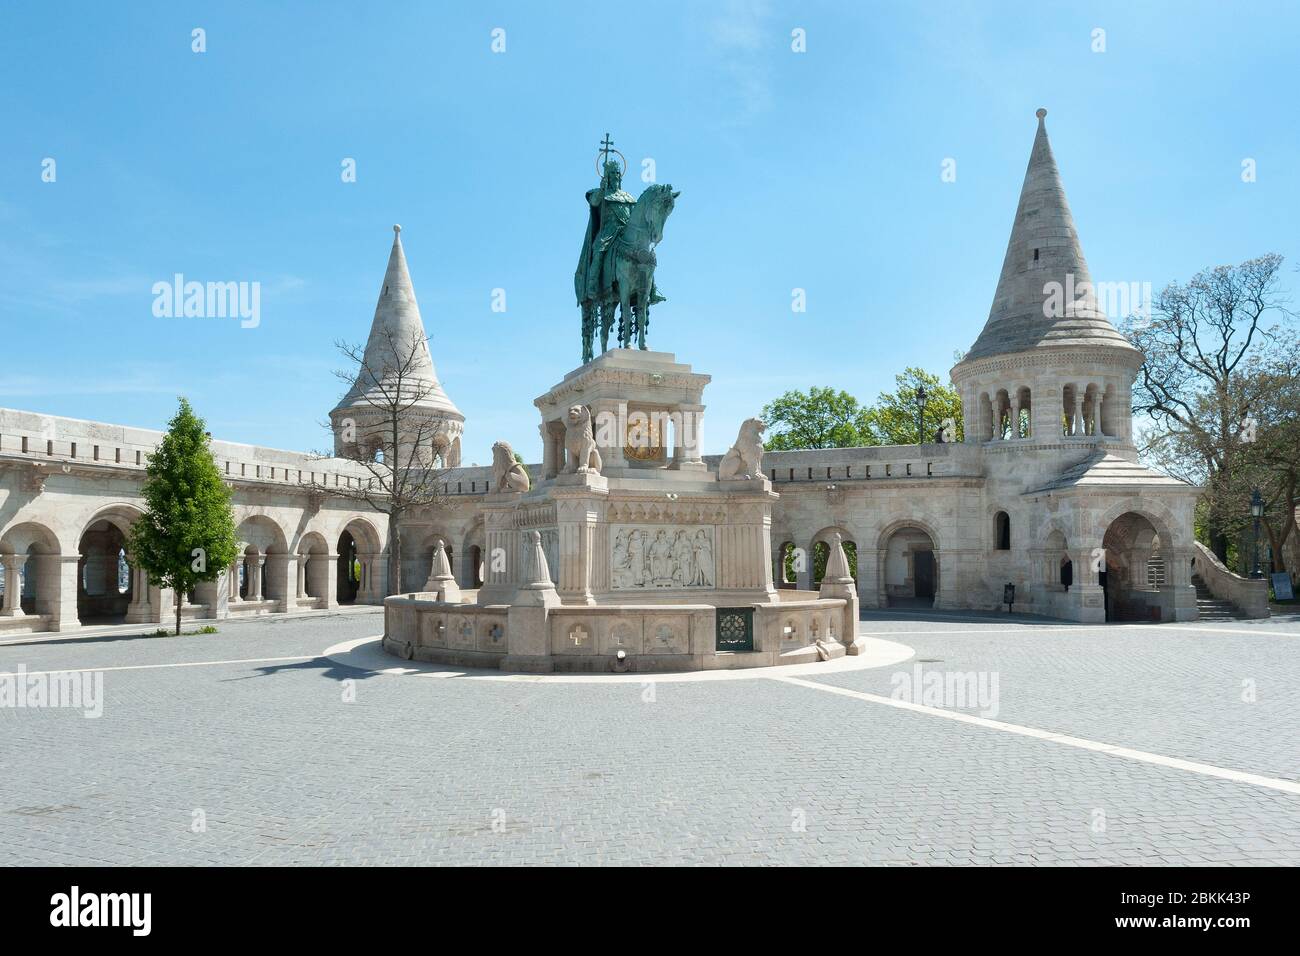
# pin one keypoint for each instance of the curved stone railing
(1250, 596)
(617, 638)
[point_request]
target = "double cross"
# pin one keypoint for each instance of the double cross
(606, 145)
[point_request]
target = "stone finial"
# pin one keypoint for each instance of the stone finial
(396, 228)
(1041, 114)
(441, 579)
(837, 563)
(537, 574)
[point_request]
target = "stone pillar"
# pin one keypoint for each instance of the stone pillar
(66, 568)
(13, 596)
(255, 564)
(1177, 595)
(332, 581)
(500, 547)
(1086, 598)
(1096, 411)
(688, 438)
(283, 570)
(1076, 426)
(1015, 415)
(803, 571)
(609, 421)
(300, 590)
(139, 611)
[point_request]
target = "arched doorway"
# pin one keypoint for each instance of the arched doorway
(348, 571)
(1123, 573)
(910, 568)
(359, 575)
(105, 585)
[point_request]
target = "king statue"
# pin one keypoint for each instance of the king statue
(617, 264)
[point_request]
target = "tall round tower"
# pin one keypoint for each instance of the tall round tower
(397, 380)
(1048, 367)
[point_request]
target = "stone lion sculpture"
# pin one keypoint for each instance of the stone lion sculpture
(580, 443)
(508, 474)
(745, 459)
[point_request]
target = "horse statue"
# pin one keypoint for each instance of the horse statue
(617, 268)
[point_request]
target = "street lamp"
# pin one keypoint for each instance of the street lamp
(1257, 511)
(920, 414)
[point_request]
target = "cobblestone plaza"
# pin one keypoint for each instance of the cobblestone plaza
(253, 746)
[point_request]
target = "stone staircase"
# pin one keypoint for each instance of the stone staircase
(1210, 608)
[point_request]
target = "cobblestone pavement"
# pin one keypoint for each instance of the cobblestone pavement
(281, 769)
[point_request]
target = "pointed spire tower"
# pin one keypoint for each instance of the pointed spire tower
(1048, 364)
(397, 358)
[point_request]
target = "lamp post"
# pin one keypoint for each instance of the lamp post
(1257, 511)
(920, 414)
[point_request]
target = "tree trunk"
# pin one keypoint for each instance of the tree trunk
(394, 554)
(179, 596)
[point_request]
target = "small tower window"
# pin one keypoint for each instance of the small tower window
(1035, 255)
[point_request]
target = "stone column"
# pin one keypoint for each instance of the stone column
(609, 421)
(1096, 412)
(283, 570)
(1076, 426)
(13, 596)
(66, 567)
(332, 581)
(139, 611)
(1086, 597)
(688, 438)
(1015, 415)
(255, 565)
(301, 590)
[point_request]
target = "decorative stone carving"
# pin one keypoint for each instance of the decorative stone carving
(745, 459)
(659, 556)
(580, 443)
(508, 474)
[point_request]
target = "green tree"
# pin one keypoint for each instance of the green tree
(893, 419)
(817, 418)
(187, 533)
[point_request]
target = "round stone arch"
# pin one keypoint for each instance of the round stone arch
(264, 554)
(917, 577)
(1159, 516)
(32, 555)
(313, 568)
(359, 572)
(101, 550)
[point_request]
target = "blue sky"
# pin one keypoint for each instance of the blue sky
(816, 170)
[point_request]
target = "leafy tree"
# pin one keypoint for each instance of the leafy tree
(187, 533)
(817, 418)
(1209, 345)
(893, 419)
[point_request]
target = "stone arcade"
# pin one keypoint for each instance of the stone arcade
(1045, 493)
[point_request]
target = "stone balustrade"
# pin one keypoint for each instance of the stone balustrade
(1249, 595)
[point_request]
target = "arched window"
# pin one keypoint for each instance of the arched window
(1002, 531)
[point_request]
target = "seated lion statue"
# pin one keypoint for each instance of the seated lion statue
(745, 459)
(580, 443)
(508, 474)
